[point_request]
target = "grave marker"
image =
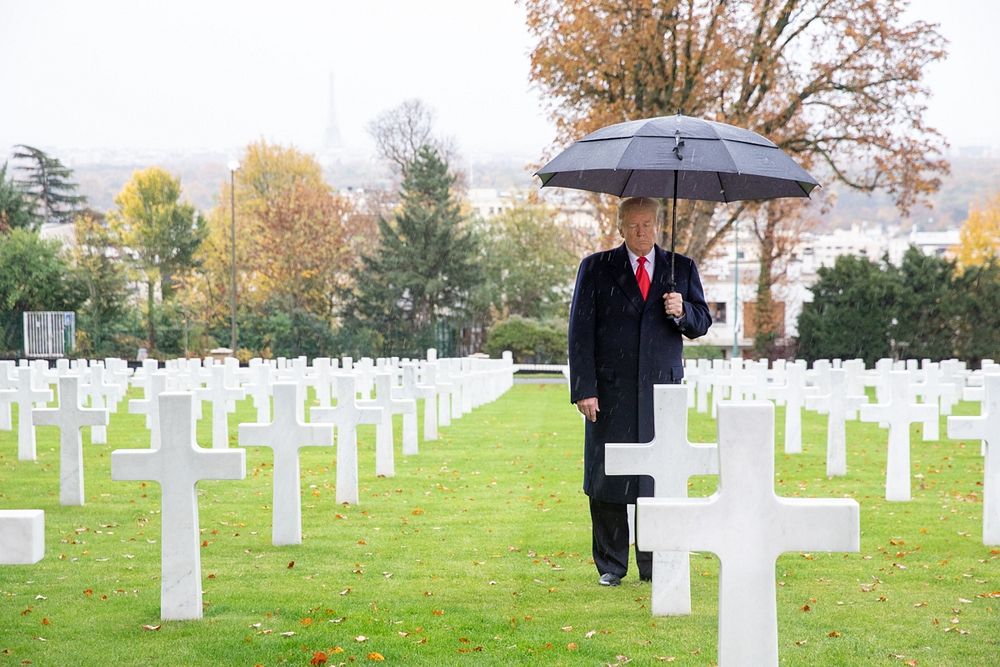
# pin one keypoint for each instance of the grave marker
(25, 398)
(177, 467)
(220, 394)
(22, 536)
(670, 459)
(898, 413)
(986, 427)
(70, 417)
(747, 526)
(286, 435)
(346, 416)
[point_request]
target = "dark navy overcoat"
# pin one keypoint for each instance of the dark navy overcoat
(619, 347)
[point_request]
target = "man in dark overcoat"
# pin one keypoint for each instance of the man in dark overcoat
(625, 331)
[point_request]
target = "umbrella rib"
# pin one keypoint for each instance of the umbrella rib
(631, 173)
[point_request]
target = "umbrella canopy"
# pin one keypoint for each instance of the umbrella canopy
(681, 158)
(709, 161)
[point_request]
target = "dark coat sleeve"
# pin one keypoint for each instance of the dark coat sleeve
(696, 319)
(582, 326)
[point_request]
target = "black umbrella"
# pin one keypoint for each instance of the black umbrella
(678, 157)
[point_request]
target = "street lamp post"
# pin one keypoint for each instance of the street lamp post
(233, 166)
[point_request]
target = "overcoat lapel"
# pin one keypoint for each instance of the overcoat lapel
(661, 274)
(622, 269)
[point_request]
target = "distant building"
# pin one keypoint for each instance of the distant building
(732, 301)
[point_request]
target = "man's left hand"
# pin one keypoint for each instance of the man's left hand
(673, 304)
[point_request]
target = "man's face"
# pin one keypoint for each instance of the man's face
(639, 230)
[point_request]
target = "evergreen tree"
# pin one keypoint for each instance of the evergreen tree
(928, 309)
(15, 207)
(424, 268)
(49, 183)
(851, 313)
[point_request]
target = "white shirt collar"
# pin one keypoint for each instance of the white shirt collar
(634, 259)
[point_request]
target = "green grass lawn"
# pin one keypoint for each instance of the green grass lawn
(478, 552)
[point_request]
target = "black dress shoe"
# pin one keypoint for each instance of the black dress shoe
(609, 580)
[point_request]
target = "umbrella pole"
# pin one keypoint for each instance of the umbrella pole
(672, 283)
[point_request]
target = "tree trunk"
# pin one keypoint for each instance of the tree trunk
(765, 331)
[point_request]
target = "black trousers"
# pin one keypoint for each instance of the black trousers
(609, 522)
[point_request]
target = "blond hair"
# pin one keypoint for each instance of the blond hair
(630, 204)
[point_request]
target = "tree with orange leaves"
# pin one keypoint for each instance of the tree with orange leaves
(836, 84)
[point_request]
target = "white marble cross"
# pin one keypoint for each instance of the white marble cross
(70, 418)
(794, 393)
(346, 416)
(986, 427)
(898, 413)
(22, 536)
(7, 394)
(260, 391)
(101, 395)
(220, 394)
(385, 465)
(428, 392)
(747, 526)
(177, 466)
(26, 397)
(156, 384)
(286, 435)
(837, 405)
(670, 459)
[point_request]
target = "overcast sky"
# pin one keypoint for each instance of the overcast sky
(200, 74)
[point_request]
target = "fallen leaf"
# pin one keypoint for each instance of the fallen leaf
(833, 633)
(566, 628)
(806, 607)
(417, 511)
(590, 634)
(571, 646)
(151, 628)
(376, 657)
(290, 633)
(291, 564)
(361, 638)
(306, 622)
(46, 621)
(319, 658)
(88, 592)
(666, 658)
(438, 612)
(801, 642)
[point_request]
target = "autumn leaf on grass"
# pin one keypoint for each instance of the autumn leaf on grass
(361, 638)
(151, 628)
(374, 656)
(438, 612)
(417, 511)
(306, 622)
(572, 646)
(833, 633)
(319, 658)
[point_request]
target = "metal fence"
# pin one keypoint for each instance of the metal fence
(49, 334)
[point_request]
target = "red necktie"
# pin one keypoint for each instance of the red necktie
(642, 278)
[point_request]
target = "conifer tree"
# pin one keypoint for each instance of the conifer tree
(424, 267)
(49, 183)
(15, 206)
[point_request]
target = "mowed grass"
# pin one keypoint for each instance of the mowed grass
(478, 552)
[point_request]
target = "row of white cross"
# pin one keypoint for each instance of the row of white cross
(177, 463)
